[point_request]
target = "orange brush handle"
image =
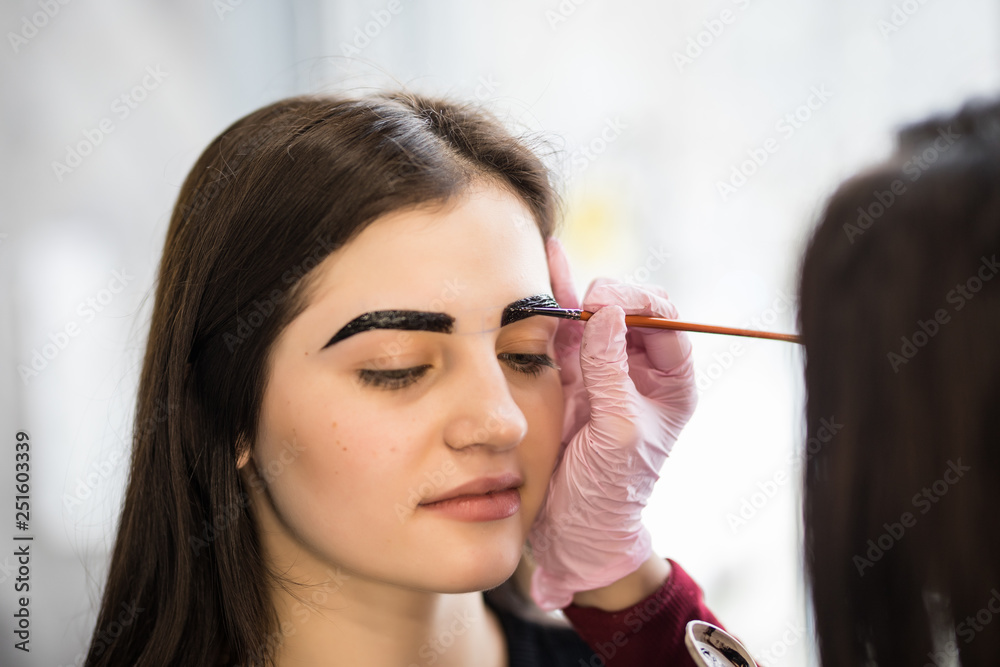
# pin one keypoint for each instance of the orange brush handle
(676, 325)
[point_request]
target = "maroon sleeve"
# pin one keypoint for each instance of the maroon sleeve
(651, 632)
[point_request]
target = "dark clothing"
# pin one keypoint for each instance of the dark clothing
(530, 644)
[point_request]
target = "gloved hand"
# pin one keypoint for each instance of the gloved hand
(628, 393)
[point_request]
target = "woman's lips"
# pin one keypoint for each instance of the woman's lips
(484, 507)
(480, 486)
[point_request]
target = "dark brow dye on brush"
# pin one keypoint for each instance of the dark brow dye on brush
(516, 311)
(408, 320)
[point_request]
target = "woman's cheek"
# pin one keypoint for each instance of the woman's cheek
(342, 463)
(552, 409)
(543, 409)
(371, 464)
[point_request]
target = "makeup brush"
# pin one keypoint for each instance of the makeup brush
(660, 323)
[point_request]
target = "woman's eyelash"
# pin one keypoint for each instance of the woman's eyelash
(398, 378)
(529, 364)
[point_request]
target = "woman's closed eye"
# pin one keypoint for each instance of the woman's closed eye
(528, 364)
(396, 378)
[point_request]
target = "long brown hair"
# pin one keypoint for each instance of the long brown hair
(268, 199)
(900, 318)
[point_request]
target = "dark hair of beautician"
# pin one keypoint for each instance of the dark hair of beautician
(900, 319)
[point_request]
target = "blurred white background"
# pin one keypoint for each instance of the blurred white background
(652, 105)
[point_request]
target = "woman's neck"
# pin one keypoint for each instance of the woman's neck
(346, 620)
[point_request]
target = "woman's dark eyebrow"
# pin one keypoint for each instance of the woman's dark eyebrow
(409, 320)
(418, 320)
(513, 313)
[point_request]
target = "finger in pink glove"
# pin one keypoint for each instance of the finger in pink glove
(639, 385)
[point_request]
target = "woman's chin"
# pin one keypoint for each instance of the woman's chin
(472, 571)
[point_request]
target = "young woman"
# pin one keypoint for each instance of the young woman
(900, 317)
(363, 436)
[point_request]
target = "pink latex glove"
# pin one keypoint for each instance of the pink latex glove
(628, 394)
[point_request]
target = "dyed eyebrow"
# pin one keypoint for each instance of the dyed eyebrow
(408, 320)
(418, 320)
(513, 312)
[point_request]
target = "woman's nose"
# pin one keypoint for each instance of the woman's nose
(483, 411)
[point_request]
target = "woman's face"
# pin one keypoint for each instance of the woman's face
(347, 462)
